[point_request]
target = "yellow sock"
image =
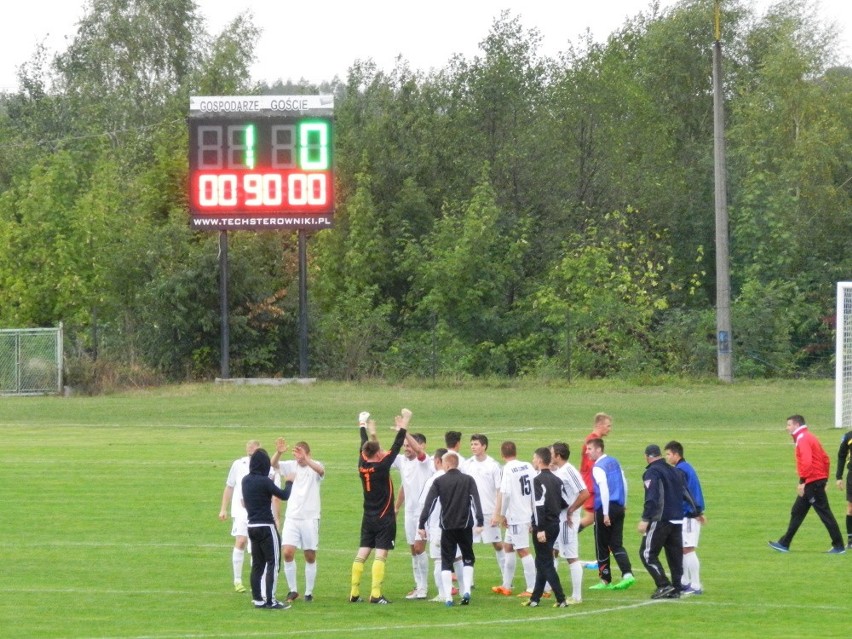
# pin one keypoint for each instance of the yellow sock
(357, 571)
(378, 577)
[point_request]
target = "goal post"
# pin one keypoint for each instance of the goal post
(843, 358)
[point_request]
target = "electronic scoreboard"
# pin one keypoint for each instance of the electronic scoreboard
(261, 162)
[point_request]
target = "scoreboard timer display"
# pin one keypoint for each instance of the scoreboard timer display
(261, 162)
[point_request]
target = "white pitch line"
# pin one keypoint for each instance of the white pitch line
(349, 630)
(437, 626)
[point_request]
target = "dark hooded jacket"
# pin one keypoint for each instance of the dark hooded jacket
(258, 489)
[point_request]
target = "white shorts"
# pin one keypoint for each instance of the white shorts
(691, 532)
(301, 533)
(568, 542)
(411, 521)
(518, 535)
(239, 526)
(490, 534)
(434, 535)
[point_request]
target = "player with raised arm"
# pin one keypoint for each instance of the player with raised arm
(415, 468)
(378, 524)
(302, 518)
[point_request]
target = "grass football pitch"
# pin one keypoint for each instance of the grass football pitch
(109, 524)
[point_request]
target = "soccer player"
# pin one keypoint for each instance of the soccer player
(662, 522)
(378, 524)
(258, 490)
(568, 544)
(550, 499)
(486, 472)
(433, 529)
(691, 523)
(844, 452)
(610, 504)
(415, 468)
(301, 522)
(452, 440)
(812, 465)
(601, 428)
(461, 516)
(232, 495)
(514, 508)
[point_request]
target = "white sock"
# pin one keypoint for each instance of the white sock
(420, 563)
(439, 581)
(415, 570)
(310, 577)
(501, 559)
(509, 561)
(447, 580)
(290, 575)
(528, 564)
(691, 573)
(458, 567)
(237, 558)
(576, 570)
(468, 579)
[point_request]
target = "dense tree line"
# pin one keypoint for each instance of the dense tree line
(510, 214)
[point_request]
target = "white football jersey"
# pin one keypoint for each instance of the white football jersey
(516, 487)
(434, 520)
(239, 469)
(414, 474)
(487, 475)
(304, 502)
(571, 480)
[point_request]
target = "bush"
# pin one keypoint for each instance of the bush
(100, 376)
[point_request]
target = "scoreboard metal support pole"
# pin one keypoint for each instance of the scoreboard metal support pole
(303, 303)
(223, 301)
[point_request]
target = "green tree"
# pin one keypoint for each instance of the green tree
(465, 274)
(791, 217)
(602, 297)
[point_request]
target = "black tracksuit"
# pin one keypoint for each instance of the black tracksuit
(844, 451)
(550, 500)
(258, 490)
(665, 494)
(461, 510)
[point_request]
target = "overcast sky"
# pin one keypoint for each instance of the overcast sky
(320, 39)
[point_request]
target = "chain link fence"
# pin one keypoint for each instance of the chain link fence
(30, 361)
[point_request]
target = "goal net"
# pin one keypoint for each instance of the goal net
(843, 373)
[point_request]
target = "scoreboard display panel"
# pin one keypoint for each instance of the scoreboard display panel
(261, 162)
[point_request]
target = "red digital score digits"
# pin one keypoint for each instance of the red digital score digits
(250, 191)
(280, 165)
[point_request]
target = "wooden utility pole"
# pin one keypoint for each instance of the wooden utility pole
(724, 337)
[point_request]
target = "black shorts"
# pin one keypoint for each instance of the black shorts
(849, 486)
(378, 533)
